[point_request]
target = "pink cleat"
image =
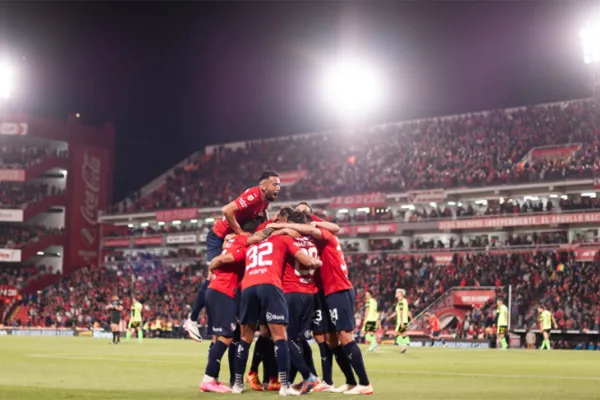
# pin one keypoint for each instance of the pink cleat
(214, 387)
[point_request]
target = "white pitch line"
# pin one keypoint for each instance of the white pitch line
(476, 375)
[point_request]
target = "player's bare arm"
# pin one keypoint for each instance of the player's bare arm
(287, 232)
(307, 260)
(221, 260)
(229, 214)
(303, 229)
(260, 236)
(328, 226)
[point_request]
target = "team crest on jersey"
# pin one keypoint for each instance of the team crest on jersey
(233, 326)
(251, 197)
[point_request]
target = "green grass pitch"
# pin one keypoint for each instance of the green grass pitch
(84, 368)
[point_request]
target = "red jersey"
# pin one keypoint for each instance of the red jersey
(265, 261)
(227, 278)
(296, 277)
(264, 225)
(434, 323)
(250, 204)
(334, 272)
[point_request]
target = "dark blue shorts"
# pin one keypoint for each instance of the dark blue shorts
(436, 333)
(214, 246)
(301, 308)
(263, 304)
(341, 310)
(321, 321)
(222, 313)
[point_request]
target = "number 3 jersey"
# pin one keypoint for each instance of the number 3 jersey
(265, 261)
(296, 277)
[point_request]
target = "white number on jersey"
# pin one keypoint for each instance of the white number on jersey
(306, 274)
(256, 255)
(339, 249)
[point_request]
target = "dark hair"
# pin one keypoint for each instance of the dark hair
(370, 292)
(298, 217)
(267, 175)
(285, 212)
(306, 204)
(251, 225)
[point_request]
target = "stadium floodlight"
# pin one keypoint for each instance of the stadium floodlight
(352, 88)
(7, 77)
(590, 42)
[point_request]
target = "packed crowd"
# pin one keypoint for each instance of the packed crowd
(17, 236)
(26, 156)
(469, 150)
(14, 195)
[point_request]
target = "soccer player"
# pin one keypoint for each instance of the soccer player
(546, 322)
(299, 289)
(249, 205)
(402, 314)
(115, 307)
(339, 302)
(434, 327)
(263, 301)
(371, 320)
(135, 320)
(221, 306)
(502, 324)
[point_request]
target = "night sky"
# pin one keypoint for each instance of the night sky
(175, 77)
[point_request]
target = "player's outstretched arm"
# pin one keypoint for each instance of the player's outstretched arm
(229, 213)
(328, 226)
(260, 236)
(303, 258)
(302, 229)
(221, 260)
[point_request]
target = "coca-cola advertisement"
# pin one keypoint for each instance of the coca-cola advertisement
(90, 181)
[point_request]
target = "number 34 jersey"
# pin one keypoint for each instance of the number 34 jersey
(265, 261)
(296, 277)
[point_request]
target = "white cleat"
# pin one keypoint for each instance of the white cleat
(193, 330)
(322, 387)
(237, 389)
(342, 389)
(403, 349)
(288, 391)
(360, 390)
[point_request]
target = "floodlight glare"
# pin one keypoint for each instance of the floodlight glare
(352, 88)
(7, 76)
(590, 42)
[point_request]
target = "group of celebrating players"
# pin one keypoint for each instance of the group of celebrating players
(287, 277)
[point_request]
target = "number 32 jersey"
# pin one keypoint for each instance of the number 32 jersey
(296, 277)
(265, 261)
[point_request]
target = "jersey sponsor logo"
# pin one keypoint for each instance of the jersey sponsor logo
(243, 203)
(273, 317)
(215, 329)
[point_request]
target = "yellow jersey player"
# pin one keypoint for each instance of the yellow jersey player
(371, 320)
(402, 314)
(546, 322)
(135, 320)
(502, 324)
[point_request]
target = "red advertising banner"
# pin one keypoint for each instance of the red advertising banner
(586, 253)
(472, 297)
(8, 291)
(89, 193)
(426, 196)
(597, 182)
(117, 242)
(525, 220)
(150, 240)
(367, 228)
(289, 178)
(12, 175)
(174, 215)
(549, 153)
(359, 200)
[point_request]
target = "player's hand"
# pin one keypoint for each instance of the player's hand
(313, 224)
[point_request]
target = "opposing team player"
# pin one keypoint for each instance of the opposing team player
(249, 205)
(546, 321)
(221, 306)
(339, 302)
(135, 321)
(402, 314)
(262, 300)
(371, 320)
(502, 324)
